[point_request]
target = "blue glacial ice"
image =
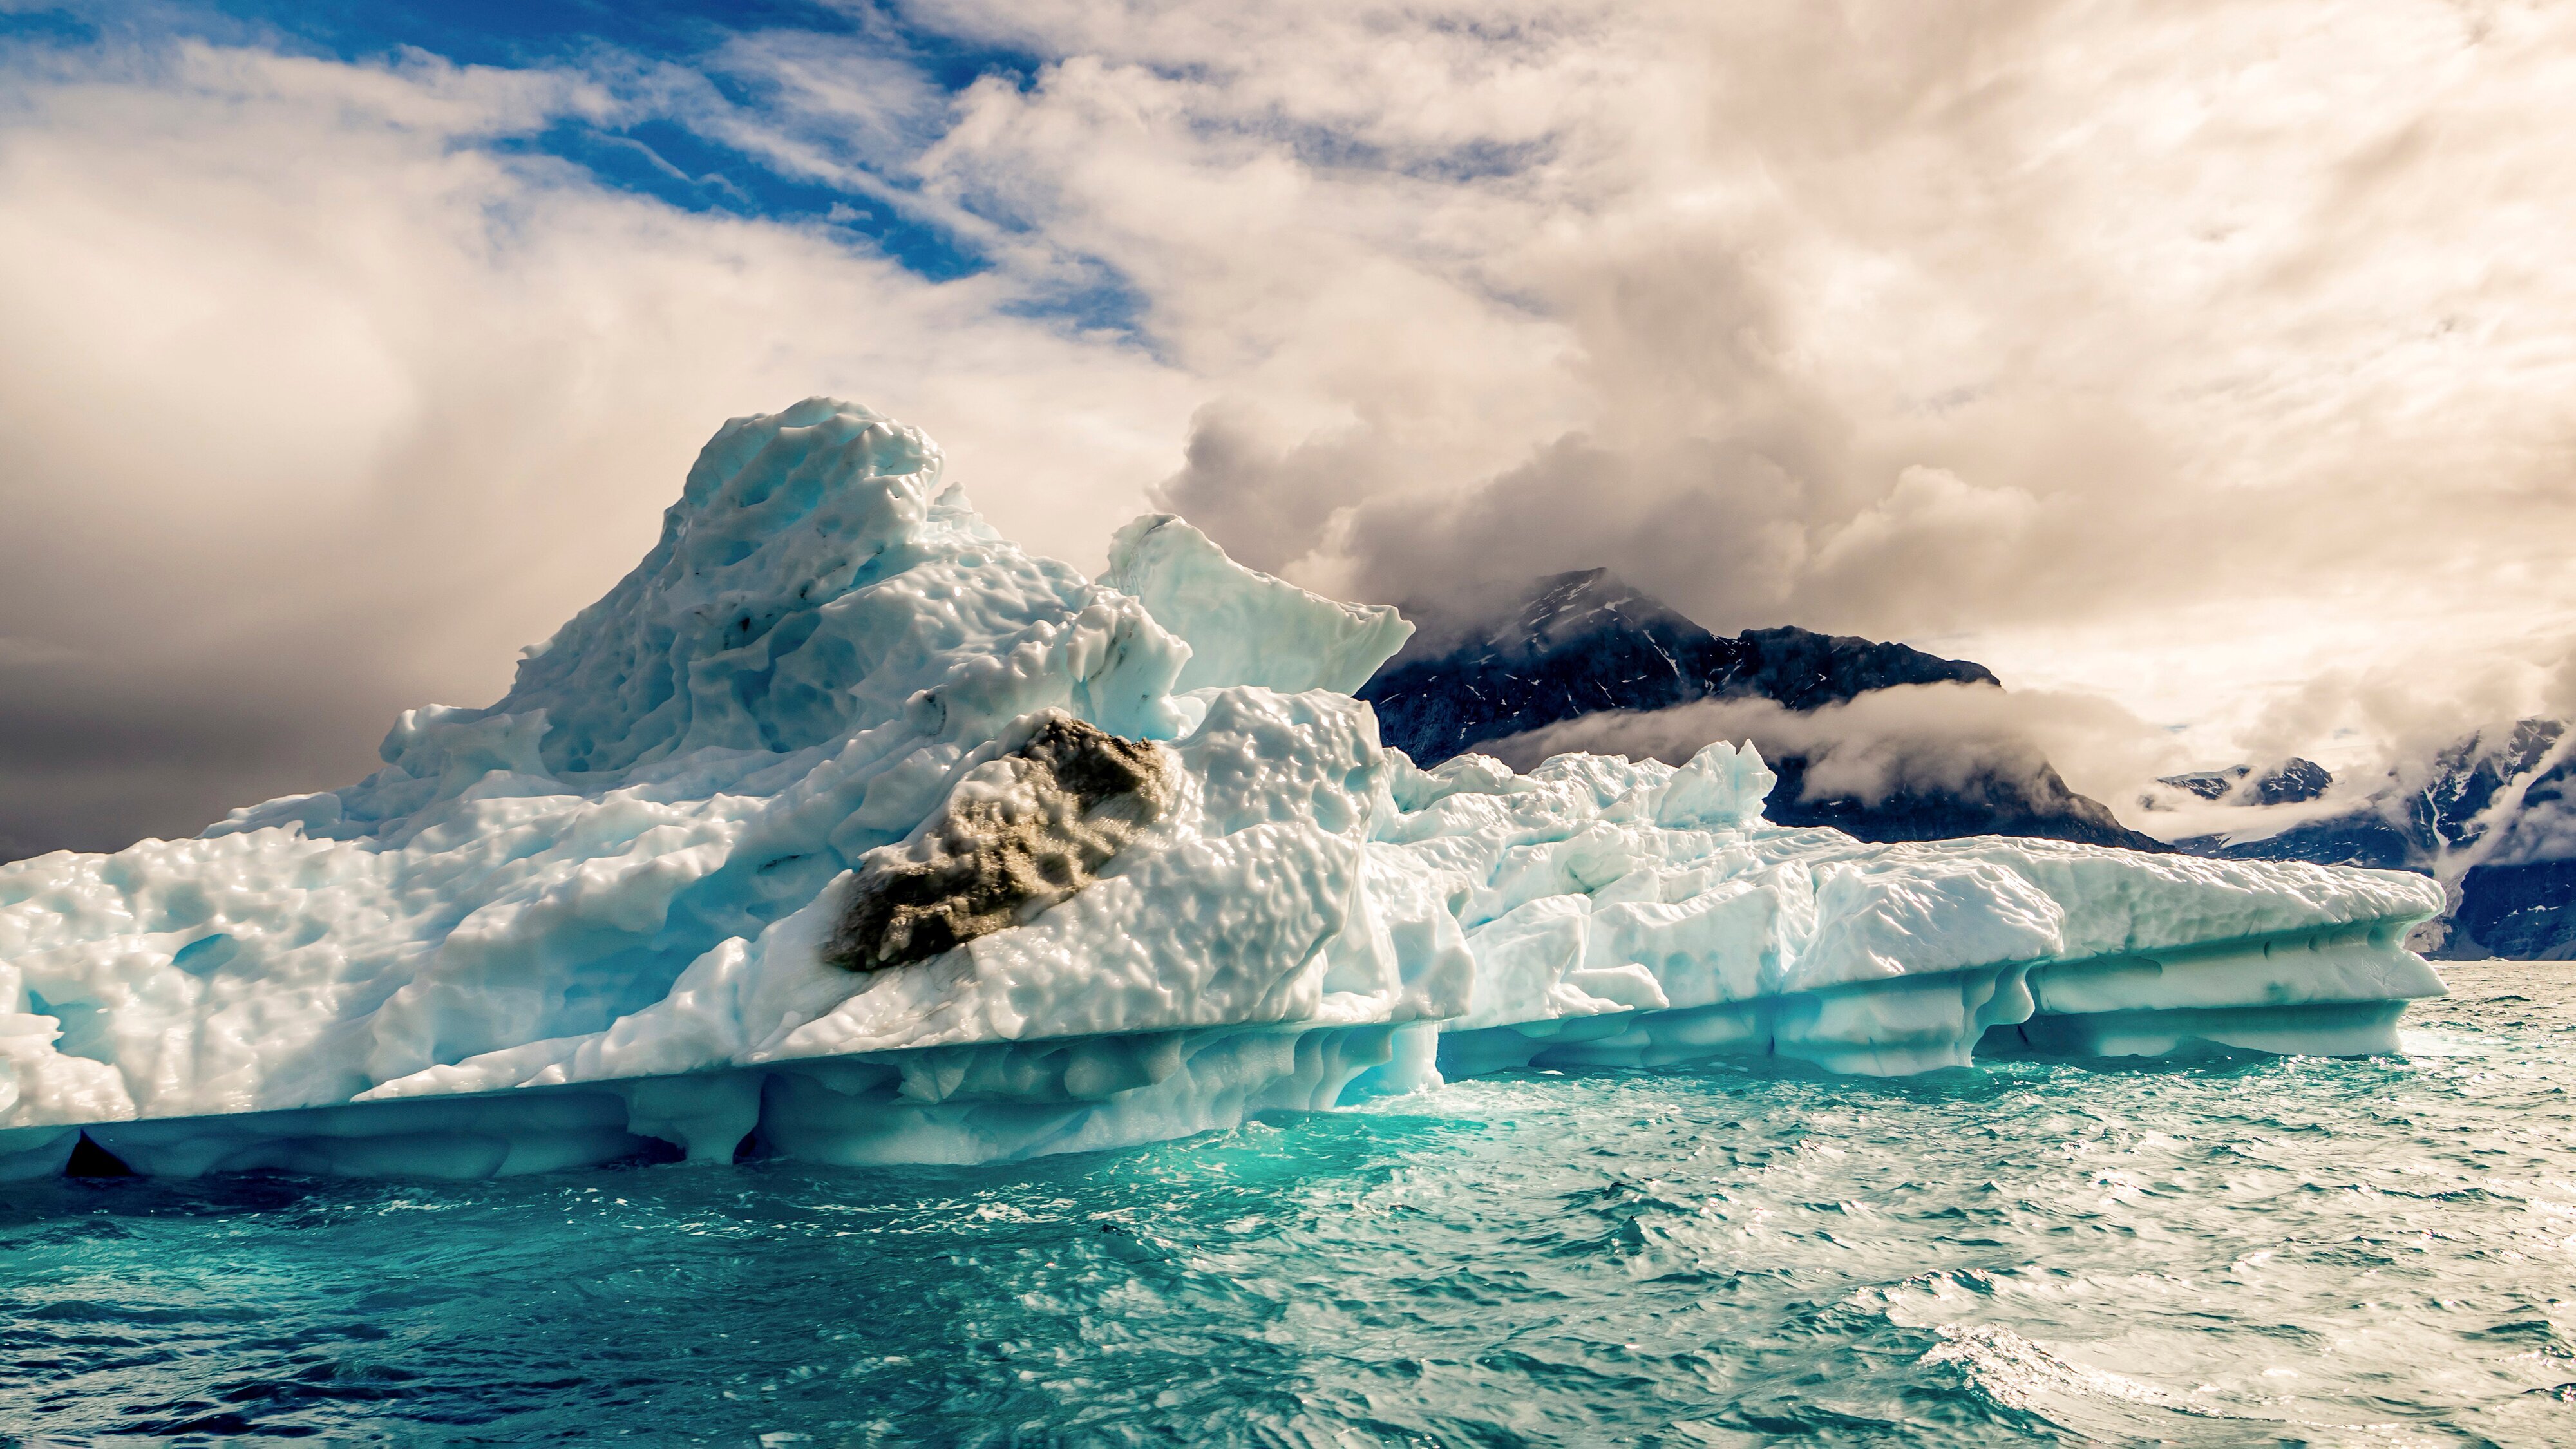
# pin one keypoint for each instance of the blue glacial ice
(651, 901)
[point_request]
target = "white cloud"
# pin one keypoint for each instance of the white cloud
(1921, 737)
(2175, 353)
(320, 410)
(2103, 323)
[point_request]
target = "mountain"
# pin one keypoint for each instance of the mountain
(2489, 815)
(2522, 912)
(1575, 644)
(2294, 781)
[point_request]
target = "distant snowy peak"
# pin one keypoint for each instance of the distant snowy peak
(1572, 644)
(1576, 644)
(2494, 782)
(2484, 798)
(1563, 608)
(2293, 782)
(2490, 814)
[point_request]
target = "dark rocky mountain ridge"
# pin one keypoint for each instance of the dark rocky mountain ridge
(1587, 641)
(1580, 643)
(2436, 819)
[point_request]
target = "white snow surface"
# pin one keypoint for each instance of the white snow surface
(589, 919)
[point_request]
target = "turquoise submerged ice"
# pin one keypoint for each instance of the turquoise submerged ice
(598, 918)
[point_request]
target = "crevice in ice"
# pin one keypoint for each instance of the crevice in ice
(1019, 833)
(88, 1159)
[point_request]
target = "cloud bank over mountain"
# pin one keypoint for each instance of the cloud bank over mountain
(1949, 738)
(2206, 359)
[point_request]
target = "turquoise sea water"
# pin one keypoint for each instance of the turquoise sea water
(2274, 1251)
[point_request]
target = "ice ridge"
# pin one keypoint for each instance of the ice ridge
(843, 829)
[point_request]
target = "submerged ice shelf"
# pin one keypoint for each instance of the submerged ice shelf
(842, 829)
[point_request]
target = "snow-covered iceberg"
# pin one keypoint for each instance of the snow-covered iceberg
(842, 829)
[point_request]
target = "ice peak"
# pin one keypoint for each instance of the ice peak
(803, 483)
(783, 515)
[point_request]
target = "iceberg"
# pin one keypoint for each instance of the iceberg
(844, 830)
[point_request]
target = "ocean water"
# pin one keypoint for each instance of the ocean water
(2269, 1251)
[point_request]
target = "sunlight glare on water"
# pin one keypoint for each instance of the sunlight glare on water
(2297, 1251)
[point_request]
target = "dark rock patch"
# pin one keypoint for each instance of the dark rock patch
(1018, 834)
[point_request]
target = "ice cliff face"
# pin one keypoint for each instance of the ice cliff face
(843, 829)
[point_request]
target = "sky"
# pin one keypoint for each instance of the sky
(2206, 370)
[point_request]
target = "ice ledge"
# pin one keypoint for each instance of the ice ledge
(1000, 1101)
(2333, 991)
(2336, 992)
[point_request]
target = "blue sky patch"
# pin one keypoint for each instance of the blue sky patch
(661, 156)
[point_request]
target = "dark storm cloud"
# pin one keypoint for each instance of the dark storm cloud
(94, 760)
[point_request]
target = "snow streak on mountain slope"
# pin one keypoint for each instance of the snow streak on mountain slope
(843, 829)
(2490, 816)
